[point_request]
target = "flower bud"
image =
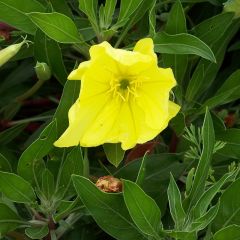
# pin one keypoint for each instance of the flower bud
(109, 184)
(232, 6)
(7, 53)
(43, 71)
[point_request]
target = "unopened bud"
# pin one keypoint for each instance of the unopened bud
(109, 184)
(43, 71)
(7, 53)
(232, 6)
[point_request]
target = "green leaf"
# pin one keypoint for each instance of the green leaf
(225, 233)
(48, 185)
(37, 232)
(202, 170)
(70, 94)
(206, 198)
(228, 92)
(143, 209)
(181, 235)
(114, 153)
(213, 28)
(176, 24)
(14, 13)
(107, 14)
(229, 210)
(57, 26)
(152, 19)
(89, 7)
(142, 170)
(16, 188)
(65, 208)
(182, 43)
(205, 220)
(232, 139)
(138, 14)
(4, 164)
(175, 203)
(6, 216)
(126, 10)
(156, 177)
(107, 209)
(178, 123)
(48, 51)
(198, 85)
(30, 159)
(9, 134)
(72, 165)
(62, 7)
(193, 85)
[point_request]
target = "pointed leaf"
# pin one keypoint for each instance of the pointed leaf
(108, 210)
(30, 160)
(56, 26)
(48, 185)
(114, 153)
(175, 203)
(202, 170)
(16, 188)
(143, 209)
(182, 43)
(72, 165)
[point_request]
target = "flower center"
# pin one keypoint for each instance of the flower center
(124, 88)
(124, 84)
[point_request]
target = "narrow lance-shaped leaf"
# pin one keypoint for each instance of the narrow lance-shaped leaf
(205, 200)
(202, 170)
(126, 10)
(175, 204)
(182, 43)
(143, 209)
(205, 220)
(89, 7)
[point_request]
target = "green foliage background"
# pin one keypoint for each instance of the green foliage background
(187, 187)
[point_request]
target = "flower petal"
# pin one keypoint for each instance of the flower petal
(146, 46)
(78, 73)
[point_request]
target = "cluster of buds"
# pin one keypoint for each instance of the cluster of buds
(109, 184)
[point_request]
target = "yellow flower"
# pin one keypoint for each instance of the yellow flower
(124, 98)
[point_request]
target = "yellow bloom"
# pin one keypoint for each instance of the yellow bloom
(124, 98)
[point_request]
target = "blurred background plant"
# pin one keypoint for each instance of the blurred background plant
(189, 173)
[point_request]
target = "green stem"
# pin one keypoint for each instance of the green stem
(85, 163)
(31, 91)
